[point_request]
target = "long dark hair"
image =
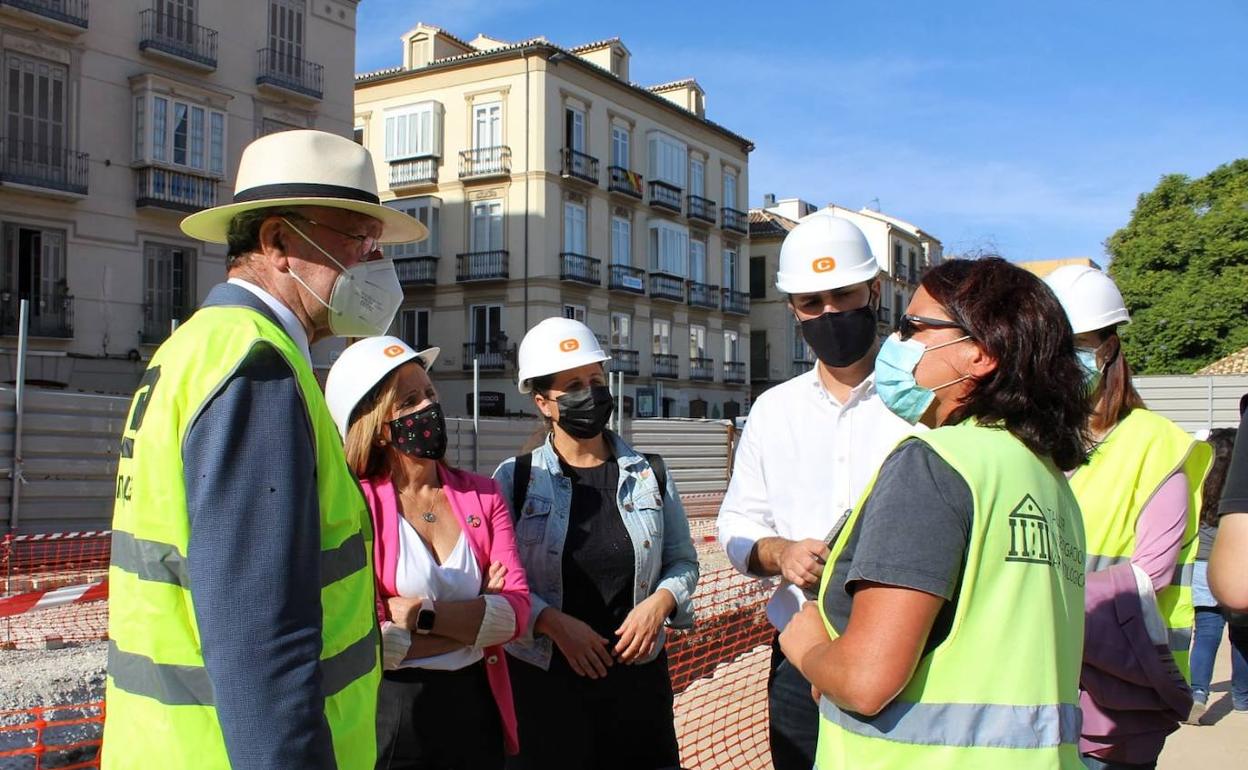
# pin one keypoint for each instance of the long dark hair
(1037, 391)
(1223, 442)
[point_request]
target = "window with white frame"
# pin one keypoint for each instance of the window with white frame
(669, 248)
(697, 176)
(697, 260)
(487, 125)
(574, 312)
(286, 36)
(414, 327)
(425, 209)
(619, 146)
(730, 189)
(574, 228)
(487, 226)
(414, 131)
(697, 341)
(621, 241)
(662, 329)
(669, 159)
(732, 345)
(621, 331)
(574, 128)
(167, 290)
(485, 326)
(731, 274)
(172, 131)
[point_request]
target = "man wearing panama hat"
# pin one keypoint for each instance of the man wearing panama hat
(241, 610)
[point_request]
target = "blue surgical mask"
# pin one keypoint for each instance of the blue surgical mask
(1091, 372)
(894, 377)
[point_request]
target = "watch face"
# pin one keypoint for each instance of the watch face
(424, 620)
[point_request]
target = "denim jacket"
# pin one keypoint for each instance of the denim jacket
(663, 553)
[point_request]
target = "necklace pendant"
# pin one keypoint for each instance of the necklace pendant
(429, 517)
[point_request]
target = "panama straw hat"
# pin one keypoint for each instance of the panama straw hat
(305, 168)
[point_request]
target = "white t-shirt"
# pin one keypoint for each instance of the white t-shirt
(458, 578)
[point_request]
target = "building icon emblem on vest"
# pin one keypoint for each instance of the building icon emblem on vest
(1030, 540)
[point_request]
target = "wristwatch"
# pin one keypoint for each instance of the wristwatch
(424, 620)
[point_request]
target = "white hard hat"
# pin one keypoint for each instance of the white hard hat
(361, 367)
(556, 345)
(1089, 297)
(824, 252)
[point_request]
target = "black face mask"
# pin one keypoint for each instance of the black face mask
(840, 339)
(584, 413)
(421, 433)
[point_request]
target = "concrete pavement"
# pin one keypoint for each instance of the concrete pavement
(1221, 743)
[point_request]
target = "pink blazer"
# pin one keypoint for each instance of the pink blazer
(486, 521)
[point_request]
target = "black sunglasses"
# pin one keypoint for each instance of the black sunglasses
(909, 324)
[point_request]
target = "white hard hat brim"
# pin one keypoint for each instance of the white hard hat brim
(572, 362)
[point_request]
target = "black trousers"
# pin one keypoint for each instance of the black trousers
(570, 722)
(438, 720)
(793, 716)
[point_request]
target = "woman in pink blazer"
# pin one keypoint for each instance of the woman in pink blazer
(451, 590)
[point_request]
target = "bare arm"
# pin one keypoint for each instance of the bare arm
(1228, 564)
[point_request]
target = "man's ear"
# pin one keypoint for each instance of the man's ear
(272, 242)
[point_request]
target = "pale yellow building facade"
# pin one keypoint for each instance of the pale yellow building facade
(553, 186)
(120, 117)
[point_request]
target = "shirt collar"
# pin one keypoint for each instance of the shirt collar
(860, 392)
(289, 323)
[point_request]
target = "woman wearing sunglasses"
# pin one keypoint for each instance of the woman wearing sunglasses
(949, 624)
(1141, 499)
(449, 579)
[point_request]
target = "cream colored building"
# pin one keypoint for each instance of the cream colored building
(777, 350)
(1042, 267)
(555, 186)
(120, 117)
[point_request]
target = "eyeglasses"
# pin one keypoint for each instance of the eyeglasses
(909, 324)
(367, 242)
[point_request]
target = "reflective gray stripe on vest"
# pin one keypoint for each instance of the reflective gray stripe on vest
(149, 559)
(965, 725)
(1180, 639)
(177, 685)
(164, 563)
(1184, 573)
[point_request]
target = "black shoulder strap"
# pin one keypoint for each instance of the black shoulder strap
(660, 472)
(520, 482)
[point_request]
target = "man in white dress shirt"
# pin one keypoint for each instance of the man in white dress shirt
(809, 449)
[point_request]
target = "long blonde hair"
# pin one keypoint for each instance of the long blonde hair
(365, 457)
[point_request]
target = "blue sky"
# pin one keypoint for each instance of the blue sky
(1028, 128)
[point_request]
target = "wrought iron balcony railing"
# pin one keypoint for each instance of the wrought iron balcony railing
(737, 302)
(485, 162)
(51, 313)
(669, 287)
(737, 221)
(626, 361)
(702, 208)
(284, 70)
(490, 356)
(665, 196)
(578, 165)
(413, 172)
(481, 266)
(173, 36)
(627, 278)
(417, 271)
(621, 180)
(734, 371)
(43, 165)
(72, 13)
(666, 365)
(176, 190)
(702, 368)
(580, 268)
(703, 295)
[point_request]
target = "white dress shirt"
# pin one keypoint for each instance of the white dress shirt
(284, 316)
(803, 461)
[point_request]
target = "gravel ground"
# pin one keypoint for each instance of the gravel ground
(52, 677)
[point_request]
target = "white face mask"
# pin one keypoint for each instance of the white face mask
(364, 298)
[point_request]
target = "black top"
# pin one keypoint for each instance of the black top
(598, 560)
(1235, 492)
(913, 532)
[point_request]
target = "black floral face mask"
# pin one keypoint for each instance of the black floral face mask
(421, 433)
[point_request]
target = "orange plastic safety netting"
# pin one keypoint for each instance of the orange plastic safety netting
(53, 587)
(61, 737)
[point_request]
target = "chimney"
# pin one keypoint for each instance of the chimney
(769, 200)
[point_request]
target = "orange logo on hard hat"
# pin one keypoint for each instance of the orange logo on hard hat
(568, 345)
(823, 264)
(394, 351)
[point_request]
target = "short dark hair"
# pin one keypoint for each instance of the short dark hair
(1223, 442)
(1037, 390)
(243, 236)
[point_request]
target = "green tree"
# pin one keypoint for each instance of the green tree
(1182, 266)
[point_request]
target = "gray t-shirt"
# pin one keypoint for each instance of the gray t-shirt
(913, 532)
(1207, 534)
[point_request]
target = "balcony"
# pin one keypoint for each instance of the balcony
(413, 172)
(161, 188)
(580, 268)
(621, 180)
(665, 196)
(51, 313)
(626, 361)
(702, 208)
(736, 302)
(43, 167)
(627, 278)
(168, 37)
(736, 221)
(66, 15)
(481, 266)
(284, 72)
(668, 287)
(703, 295)
(800, 366)
(702, 369)
(734, 371)
(666, 366)
(490, 356)
(578, 165)
(485, 162)
(417, 271)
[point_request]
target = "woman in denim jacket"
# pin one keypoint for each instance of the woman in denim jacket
(609, 562)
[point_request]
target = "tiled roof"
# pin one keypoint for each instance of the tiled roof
(449, 36)
(1235, 363)
(594, 45)
(672, 85)
(764, 223)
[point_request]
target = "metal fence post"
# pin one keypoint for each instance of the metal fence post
(15, 473)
